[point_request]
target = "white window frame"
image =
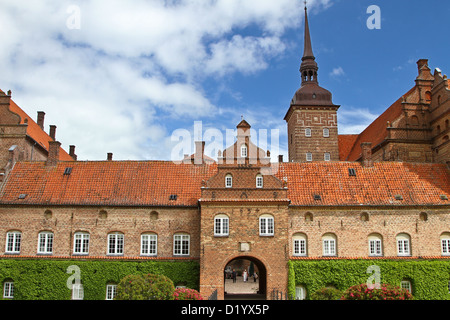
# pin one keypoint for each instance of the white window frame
(8, 290)
(13, 242)
(445, 244)
(308, 132)
(81, 243)
(327, 156)
(221, 226)
(149, 244)
(228, 181)
(45, 242)
(300, 293)
(326, 132)
(77, 291)
(259, 181)
(116, 244)
(299, 245)
(244, 151)
(181, 244)
(329, 245)
(406, 284)
(375, 246)
(266, 226)
(111, 291)
(309, 156)
(403, 245)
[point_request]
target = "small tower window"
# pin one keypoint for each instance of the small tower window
(308, 132)
(228, 181)
(309, 156)
(244, 152)
(327, 156)
(326, 133)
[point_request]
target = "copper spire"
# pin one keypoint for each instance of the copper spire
(308, 68)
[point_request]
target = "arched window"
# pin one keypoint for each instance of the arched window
(299, 245)
(181, 244)
(149, 244)
(300, 292)
(221, 225)
(116, 243)
(266, 225)
(403, 244)
(13, 240)
(414, 121)
(428, 96)
(45, 242)
(111, 291)
(329, 245)
(259, 181)
(8, 289)
(326, 133)
(244, 151)
(375, 245)
(228, 181)
(81, 243)
(406, 284)
(445, 243)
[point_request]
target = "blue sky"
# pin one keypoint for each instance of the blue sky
(122, 77)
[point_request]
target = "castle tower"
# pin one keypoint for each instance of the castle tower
(312, 116)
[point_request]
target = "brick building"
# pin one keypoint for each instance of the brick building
(380, 194)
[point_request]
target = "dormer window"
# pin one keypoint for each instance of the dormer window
(259, 181)
(244, 150)
(228, 181)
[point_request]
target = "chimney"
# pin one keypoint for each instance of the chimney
(53, 153)
(40, 119)
(109, 156)
(72, 152)
(280, 158)
(53, 132)
(366, 152)
(199, 152)
(421, 63)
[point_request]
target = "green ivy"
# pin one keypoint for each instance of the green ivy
(47, 279)
(429, 278)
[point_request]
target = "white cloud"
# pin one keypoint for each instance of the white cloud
(337, 72)
(106, 84)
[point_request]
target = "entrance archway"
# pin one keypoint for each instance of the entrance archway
(254, 288)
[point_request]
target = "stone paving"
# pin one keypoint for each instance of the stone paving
(239, 287)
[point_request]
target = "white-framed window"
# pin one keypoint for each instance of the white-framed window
(406, 284)
(149, 244)
(445, 244)
(299, 244)
(228, 181)
(116, 243)
(403, 245)
(266, 225)
(221, 225)
(259, 181)
(308, 156)
(327, 156)
(111, 291)
(375, 245)
(300, 292)
(244, 151)
(329, 244)
(81, 243)
(13, 239)
(308, 132)
(8, 290)
(181, 244)
(77, 291)
(45, 242)
(326, 132)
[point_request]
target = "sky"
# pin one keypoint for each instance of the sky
(143, 79)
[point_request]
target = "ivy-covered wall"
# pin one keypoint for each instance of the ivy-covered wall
(429, 278)
(47, 279)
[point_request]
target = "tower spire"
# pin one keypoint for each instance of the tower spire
(308, 67)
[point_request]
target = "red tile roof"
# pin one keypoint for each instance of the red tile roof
(35, 132)
(150, 183)
(376, 132)
(346, 143)
(418, 184)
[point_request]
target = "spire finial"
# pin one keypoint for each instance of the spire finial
(308, 67)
